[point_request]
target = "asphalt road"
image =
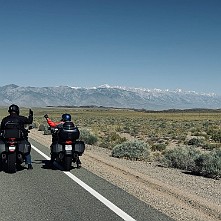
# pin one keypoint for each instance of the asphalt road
(51, 194)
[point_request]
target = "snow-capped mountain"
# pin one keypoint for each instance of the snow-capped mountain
(107, 96)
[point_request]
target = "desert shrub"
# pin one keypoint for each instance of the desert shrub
(47, 131)
(162, 125)
(155, 156)
(194, 141)
(88, 137)
(209, 164)
(119, 128)
(181, 158)
(126, 129)
(158, 147)
(42, 127)
(34, 125)
(210, 130)
(189, 159)
(181, 137)
(211, 146)
(201, 134)
(134, 131)
(133, 150)
(216, 136)
(112, 140)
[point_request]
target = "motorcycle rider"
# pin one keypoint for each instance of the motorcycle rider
(64, 118)
(22, 121)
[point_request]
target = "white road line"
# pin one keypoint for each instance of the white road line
(102, 199)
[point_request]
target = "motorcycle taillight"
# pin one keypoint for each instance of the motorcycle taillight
(11, 143)
(68, 142)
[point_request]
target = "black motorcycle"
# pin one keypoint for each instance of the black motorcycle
(65, 147)
(13, 147)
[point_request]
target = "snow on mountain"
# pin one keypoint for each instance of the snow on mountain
(109, 96)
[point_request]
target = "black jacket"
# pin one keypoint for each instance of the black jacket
(14, 118)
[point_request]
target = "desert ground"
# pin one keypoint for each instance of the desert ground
(180, 195)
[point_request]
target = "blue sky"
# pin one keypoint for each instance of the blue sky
(166, 44)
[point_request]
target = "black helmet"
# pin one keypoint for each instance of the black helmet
(66, 117)
(13, 108)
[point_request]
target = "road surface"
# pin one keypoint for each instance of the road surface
(51, 194)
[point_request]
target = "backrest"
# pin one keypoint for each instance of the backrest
(12, 130)
(68, 125)
(68, 132)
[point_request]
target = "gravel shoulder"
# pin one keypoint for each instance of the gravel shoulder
(179, 195)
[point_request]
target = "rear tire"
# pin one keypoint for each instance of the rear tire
(53, 157)
(11, 163)
(67, 163)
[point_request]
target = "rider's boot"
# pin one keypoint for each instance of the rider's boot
(78, 163)
(30, 167)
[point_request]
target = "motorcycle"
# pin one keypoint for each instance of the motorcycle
(65, 147)
(13, 147)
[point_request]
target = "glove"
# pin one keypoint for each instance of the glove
(46, 116)
(30, 112)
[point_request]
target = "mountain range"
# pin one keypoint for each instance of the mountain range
(107, 96)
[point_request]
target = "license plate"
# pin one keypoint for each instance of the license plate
(11, 148)
(68, 147)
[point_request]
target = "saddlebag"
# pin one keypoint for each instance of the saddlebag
(24, 147)
(2, 146)
(79, 147)
(56, 148)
